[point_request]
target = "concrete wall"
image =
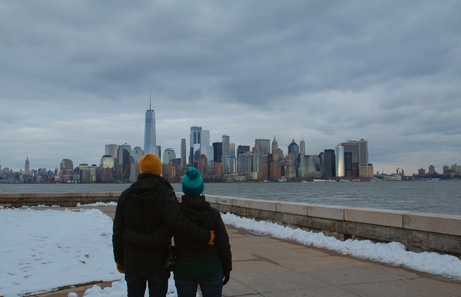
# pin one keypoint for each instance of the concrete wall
(417, 231)
(60, 199)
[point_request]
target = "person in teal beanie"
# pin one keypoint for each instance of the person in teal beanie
(199, 264)
(196, 263)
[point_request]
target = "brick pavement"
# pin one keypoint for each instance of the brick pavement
(272, 267)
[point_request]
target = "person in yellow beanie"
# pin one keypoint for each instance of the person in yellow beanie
(150, 206)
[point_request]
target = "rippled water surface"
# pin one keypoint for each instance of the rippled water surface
(435, 197)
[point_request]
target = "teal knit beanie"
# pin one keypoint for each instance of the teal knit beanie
(192, 182)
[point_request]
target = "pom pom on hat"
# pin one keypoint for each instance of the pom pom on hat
(192, 182)
(150, 163)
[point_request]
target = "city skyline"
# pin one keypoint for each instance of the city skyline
(76, 76)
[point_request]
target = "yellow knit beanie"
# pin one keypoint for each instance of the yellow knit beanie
(150, 163)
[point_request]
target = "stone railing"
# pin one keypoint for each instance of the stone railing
(58, 199)
(417, 231)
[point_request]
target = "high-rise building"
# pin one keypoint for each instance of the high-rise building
(256, 159)
(209, 153)
(195, 137)
(168, 155)
(232, 149)
(329, 163)
(124, 161)
(150, 142)
(111, 150)
(217, 152)
(265, 169)
(339, 161)
(363, 157)
(27, 166)
(293, 149)
(225, 151)
(348, 163)
(302, 147)
(431, 169)
(137, 153)
(264, 145)
(242, 149)
(351, 146)
(275, 146)
(183, 153)
(421, 172)
(245, 162)
(202, 165)
(66, 170)
(230, 164)
(204, 141)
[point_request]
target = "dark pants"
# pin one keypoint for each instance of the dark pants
(211, 287)
(157, 281)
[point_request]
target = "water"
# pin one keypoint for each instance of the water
(434, 197)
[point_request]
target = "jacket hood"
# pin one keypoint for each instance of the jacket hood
(149, 186)
(196, 207)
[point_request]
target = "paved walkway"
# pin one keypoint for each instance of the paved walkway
(272, 267)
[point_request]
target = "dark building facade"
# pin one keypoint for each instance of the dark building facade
(329, 163)
(217, 152)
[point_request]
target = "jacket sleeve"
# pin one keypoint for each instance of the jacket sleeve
(159, 238)
(222, 244)
(180, 224)
(117, 231)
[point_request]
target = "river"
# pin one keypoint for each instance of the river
(434, 197)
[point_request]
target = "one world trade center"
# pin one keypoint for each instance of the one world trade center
(150, 143)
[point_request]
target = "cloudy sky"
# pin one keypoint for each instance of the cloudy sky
(76, 75)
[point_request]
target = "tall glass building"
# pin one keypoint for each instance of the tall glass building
(150, 143)
(225, 152)
(195, 139)
(339, 160)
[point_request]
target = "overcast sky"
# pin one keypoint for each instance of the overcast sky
(76, 75)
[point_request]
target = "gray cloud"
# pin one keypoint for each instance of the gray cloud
(76, 75)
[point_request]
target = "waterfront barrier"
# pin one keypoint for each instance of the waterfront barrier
(417, 231)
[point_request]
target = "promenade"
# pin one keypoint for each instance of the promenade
(271, 267)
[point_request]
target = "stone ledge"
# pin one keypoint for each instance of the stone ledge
(292, 208)
(326, 211)
(392, 218)
(437, 223)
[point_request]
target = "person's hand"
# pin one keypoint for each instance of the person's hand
(211, 242)
(121, 267)
(226, 278)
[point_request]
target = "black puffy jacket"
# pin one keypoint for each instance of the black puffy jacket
(198, 210)
(150, 205)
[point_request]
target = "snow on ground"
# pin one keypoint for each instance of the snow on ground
(42, 250)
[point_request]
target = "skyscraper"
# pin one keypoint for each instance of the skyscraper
(204, 141)
(27, 166)
(183, 153)
(111, 150)
(302, 147)
(168, 155)
(339, 160)
(351, 146)
(275, 146)
(329, 163)
(195, 137)
(150, 143)
(217, 152)
(363, 157)
(264, 145)
(225, 151)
